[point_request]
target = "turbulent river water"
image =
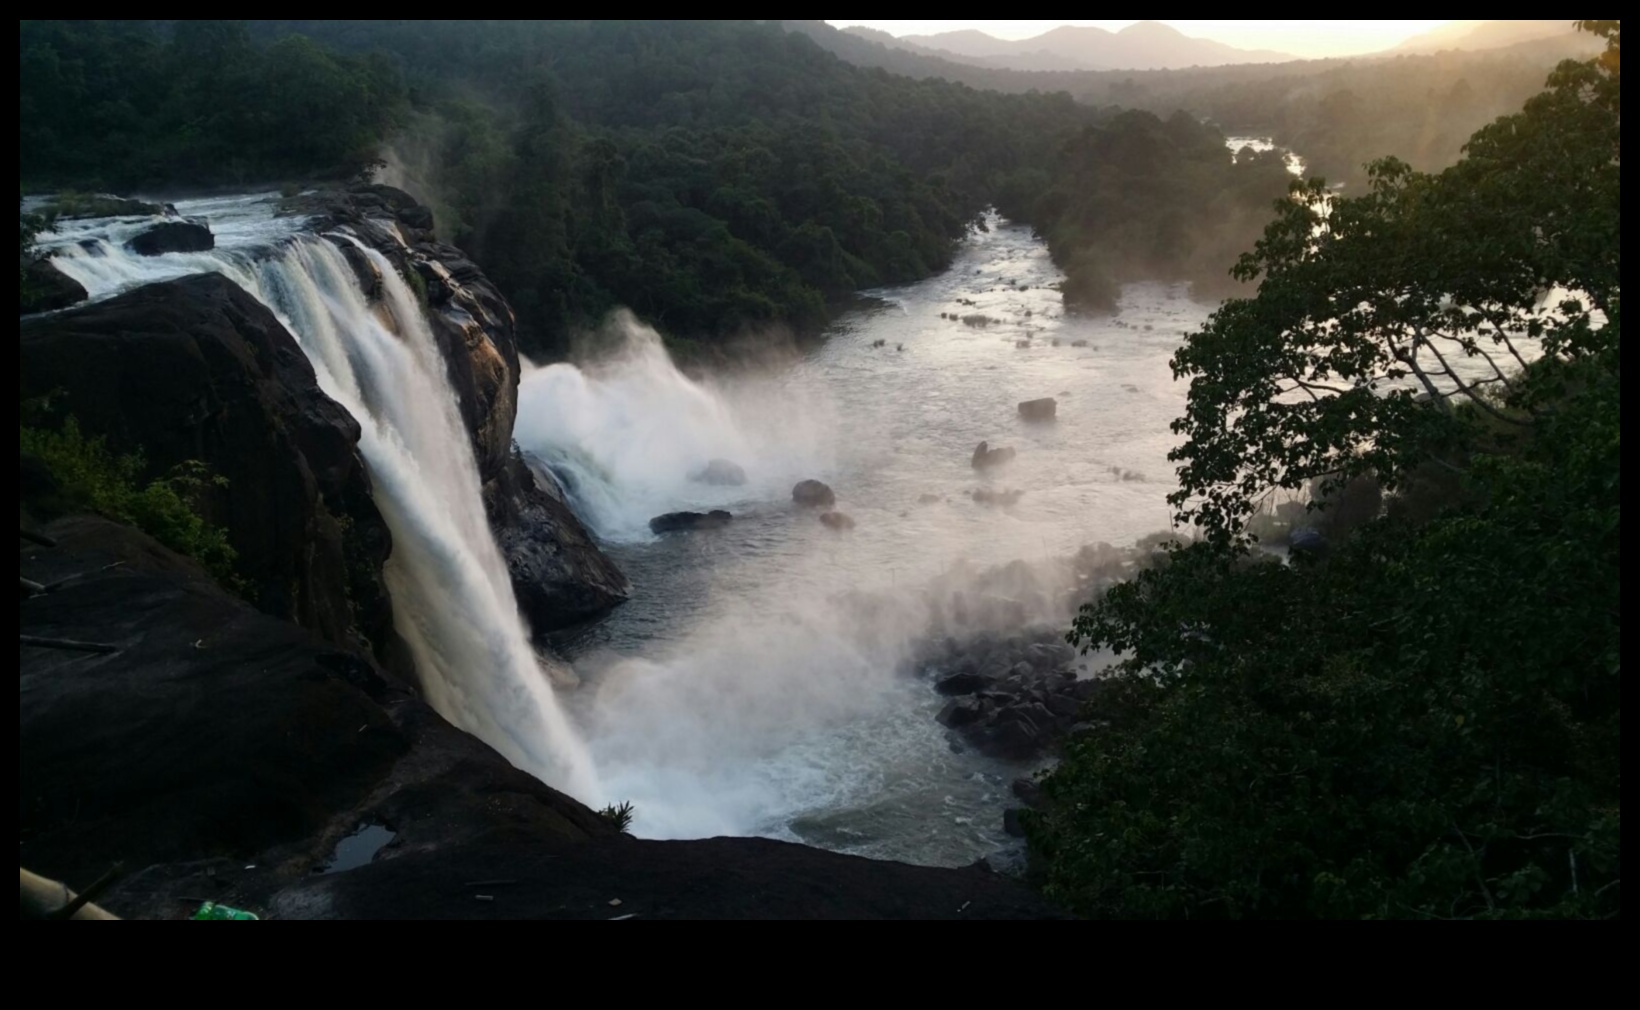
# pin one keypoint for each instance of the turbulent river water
(736, 693)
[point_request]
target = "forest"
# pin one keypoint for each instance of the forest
(1340, 114)
(723, 179)
(1420, 717)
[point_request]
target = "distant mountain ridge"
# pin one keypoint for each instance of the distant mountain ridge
(1478, 35)
(1145, 45)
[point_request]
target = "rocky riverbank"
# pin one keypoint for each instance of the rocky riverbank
(220, 754)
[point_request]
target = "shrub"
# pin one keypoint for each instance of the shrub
(92, 477)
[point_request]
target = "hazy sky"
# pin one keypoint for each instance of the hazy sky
(1301, 38)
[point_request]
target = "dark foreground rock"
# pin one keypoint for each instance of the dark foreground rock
(813, 494)
(721, 473)
(196, 369)
(221, 755)
(1038, 411)
(685, 522)
(173, 237)
(47, 289)
(720, 878)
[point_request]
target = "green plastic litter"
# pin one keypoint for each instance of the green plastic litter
(212, 912)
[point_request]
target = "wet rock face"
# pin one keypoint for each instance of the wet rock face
(558, 572)
(198, 370)
(48, 289)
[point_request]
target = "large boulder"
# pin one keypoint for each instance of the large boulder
(1045, 409)
(196, 369)
(813, 494)
(686, 522)
(173, 237)
(47, 289)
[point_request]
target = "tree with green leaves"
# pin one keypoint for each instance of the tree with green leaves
(1424, 721)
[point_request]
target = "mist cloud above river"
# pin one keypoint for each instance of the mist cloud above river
(627, 433)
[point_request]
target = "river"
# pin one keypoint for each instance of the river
(737, 693)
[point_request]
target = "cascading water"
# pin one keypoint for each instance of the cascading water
(453, 602)
(629, 434)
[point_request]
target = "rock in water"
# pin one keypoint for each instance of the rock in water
(721, 473)
(48, 289)
(986, 457)
(173, 237)
(838, 521)
(1045, 409)
(684, 522)
(813, 494)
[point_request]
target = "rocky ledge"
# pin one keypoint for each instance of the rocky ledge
(219, 754)
(196, 369)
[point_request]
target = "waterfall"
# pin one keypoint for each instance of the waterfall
(453, 601)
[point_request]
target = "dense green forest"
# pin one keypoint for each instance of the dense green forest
(1340, 114)
(1420, 718)
(718, 177)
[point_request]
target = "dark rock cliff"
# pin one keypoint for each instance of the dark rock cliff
(196, 369)
(220, 754)
(560, 576)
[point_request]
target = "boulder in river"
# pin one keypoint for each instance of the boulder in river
(813, 494)
(721, 473)
(1045, 409)
(986, 457)
(685, 522)
(173, 237)
(48, 289)
(839, 521)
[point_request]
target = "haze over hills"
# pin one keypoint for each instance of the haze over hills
(1146, 45)
(1478, 35)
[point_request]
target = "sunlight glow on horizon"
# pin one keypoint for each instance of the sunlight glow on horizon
(1311, 39)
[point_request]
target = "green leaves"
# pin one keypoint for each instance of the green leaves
(1424, 722)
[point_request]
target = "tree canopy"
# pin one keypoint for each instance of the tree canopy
(1424, 719)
